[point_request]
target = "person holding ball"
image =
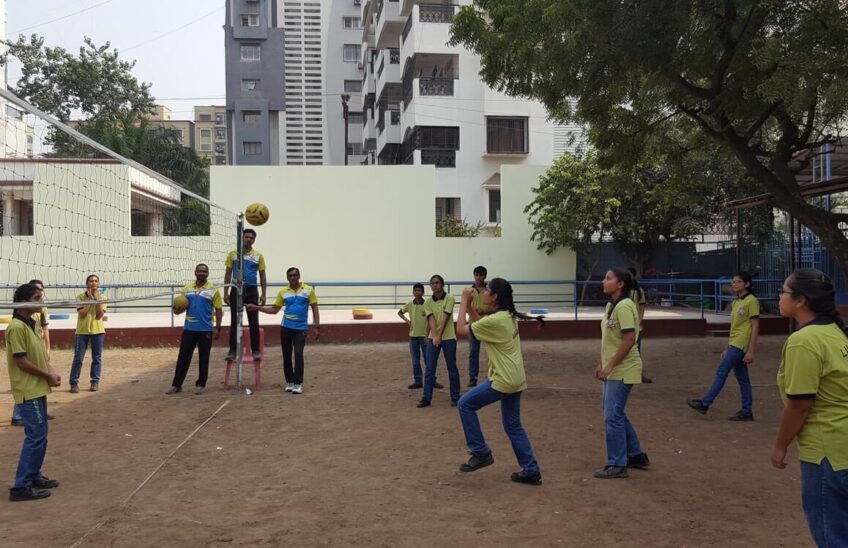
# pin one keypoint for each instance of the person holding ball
(90, 330)
(203, 301)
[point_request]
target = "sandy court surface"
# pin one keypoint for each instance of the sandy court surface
(353, 462)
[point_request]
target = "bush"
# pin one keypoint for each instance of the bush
(451, 227)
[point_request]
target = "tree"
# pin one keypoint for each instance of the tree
(764, 79)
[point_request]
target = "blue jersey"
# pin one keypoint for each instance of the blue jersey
(296, 304)
(202, 303)
(254, 263)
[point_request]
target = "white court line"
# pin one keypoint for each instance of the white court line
(149, 477)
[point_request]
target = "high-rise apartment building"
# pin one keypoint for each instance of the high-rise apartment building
(211, 138)
(255, 65)
(424, 104)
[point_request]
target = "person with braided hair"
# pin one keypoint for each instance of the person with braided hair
(813, 383)
(506, 379)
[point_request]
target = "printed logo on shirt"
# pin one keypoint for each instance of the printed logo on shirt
(611, 323)
(742, 312)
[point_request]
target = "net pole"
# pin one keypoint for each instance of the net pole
(239, 285)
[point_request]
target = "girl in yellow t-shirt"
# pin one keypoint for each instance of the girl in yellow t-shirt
(619, 369)
(506, 380)
(813, 383)
(90, 330)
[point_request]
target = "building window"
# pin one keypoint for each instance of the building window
(448, 208)
(205, 147)
(205, 118)
(506, 135)
(252, 148)
(250, 52)
(353, 86)
(220, 119)
(251, 116)
(494, 205)
(18, 219)
(354, 149)
(250, 19)
(205, 135)
(351, 53)
(352, 22)
(220, 134)
(355, 118)
(249, 84)
(220, 160)
(14, 113)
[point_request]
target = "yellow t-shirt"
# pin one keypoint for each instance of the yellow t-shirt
(624, 318)
(638, 296)
(742, 312)
(23, 339)
(814, 363)
(417, 318)
(477, 302)
(503, 348)
(89, 324)
(41, 321)
(442, 310)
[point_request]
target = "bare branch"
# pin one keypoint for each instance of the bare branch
(755, 127)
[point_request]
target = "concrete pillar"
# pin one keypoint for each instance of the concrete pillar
(156, 224)
(8, 213)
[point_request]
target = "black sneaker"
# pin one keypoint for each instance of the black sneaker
(438, 385)
(742, 416)
(530, 479)
(17, 422)
(472, 382)
(640, 461)
(423, 403)
(476, 462)
(454, 402)
(415, 386)
(698, 406)
(17, 494)
(50, 416)
(647, 380)
(612, 472)
(44, 483)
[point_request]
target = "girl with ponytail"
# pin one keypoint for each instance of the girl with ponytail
(506, 382)
(813, 383)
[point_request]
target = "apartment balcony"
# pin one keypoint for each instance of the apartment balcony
(406, 6)
(388, 69)
(431, 145)
(369, 127)
(365, 9)
(390, 132)
(389, 24)
(427, 30)
(432, 76)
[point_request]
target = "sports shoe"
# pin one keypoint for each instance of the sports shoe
(17, 422)
(612, 472)
(647, 380)
(530, 479)
(454, 402)
(174, 390)
(44, 483)
(698, 406)
(640, 461)
(289, 386)
(257, 356)
(742, 416)
(477, 462)
(17, 494)
(230, 357)
(74, 389)
(50, 416)
(438, 385)
(297, 389)
(423, 403)
(472, 382)
(94, 386)
(415, 386)
(199, 390)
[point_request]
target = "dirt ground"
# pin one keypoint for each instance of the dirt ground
(353, 462)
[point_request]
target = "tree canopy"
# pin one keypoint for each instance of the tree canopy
(765, 79)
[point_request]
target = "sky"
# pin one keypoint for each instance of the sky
(178, 45)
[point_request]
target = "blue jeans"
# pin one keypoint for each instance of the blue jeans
(34, 415)
(16, 413)
(824, 496)
(622, 441)
(482, 395)
(80, 345)
(417, 348)
(448, 348)
(473, 356)
(732, 362)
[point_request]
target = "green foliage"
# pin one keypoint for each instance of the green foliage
(764, 79)
(114, 106)
(452, 227)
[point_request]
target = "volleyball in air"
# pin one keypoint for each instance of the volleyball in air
(257, 214)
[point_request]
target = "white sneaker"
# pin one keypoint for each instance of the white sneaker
(199, 390)
(289, 386)
(297, 389)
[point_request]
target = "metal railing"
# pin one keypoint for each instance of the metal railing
(434, 13)
(563, 296)
(434, 86)
(438, 157)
